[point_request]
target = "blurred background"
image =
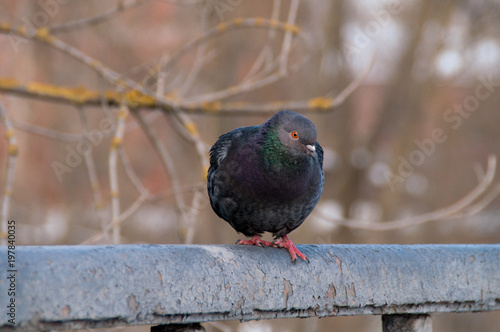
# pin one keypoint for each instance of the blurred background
(405, 149)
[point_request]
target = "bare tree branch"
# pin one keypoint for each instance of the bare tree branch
(445, 213)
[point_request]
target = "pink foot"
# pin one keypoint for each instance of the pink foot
(292, 249)
(255, 241)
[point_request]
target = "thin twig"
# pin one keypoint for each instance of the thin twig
(92, 173)
(191, 216)
(264, 59)
(166, 160)
(444, 213)
(69, 137)
(287, 40)
(199, 59)
(244, 87)
(47, 132)
(113, 172)
(9, 173)
(127, 165)
(483, 203)
(120, 219)
(96, 19)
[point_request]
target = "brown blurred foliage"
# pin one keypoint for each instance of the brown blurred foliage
(407, 141)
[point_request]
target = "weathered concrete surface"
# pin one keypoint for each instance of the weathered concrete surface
(99, 286)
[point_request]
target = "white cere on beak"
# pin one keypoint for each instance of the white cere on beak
(311, 148)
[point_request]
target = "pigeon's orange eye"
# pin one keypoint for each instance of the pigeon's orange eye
(294, 134)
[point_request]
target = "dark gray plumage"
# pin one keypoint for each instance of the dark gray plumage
(267, 178)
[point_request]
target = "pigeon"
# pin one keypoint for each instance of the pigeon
(267, 178)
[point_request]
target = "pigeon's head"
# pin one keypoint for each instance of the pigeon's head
(295, 131)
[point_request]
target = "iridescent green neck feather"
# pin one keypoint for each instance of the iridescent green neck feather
(275, 155)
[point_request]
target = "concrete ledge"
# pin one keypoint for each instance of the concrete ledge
(65, 287)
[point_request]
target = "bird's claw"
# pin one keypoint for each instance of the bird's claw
(292, 249)
(284, 242)
(275, 244)
(255, 241)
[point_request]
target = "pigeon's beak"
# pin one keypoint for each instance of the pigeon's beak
(311, 150)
